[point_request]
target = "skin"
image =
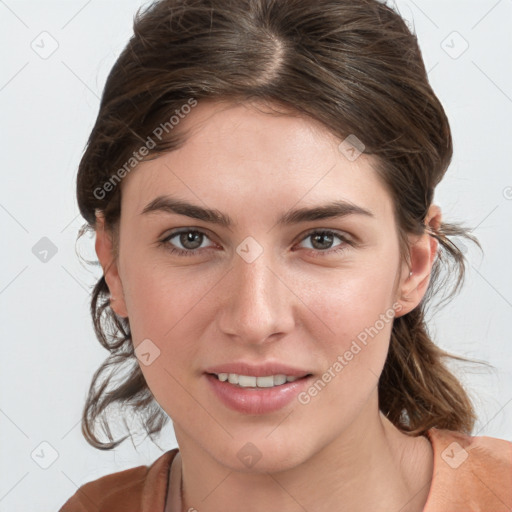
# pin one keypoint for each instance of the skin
(287, 305)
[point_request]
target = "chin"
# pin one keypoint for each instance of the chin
(262, 456)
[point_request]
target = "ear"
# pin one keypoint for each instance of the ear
(423, 251)
(106, 257)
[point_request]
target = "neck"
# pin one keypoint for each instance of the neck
(368, 455)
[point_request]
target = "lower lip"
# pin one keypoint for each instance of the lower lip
(256, 401)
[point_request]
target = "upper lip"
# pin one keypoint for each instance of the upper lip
(260, 370)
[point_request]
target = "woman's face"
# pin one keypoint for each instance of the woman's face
(259, 291)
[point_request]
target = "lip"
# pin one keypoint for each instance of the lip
(256, 401)
(261, 370)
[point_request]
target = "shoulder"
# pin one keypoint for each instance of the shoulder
(136, 489)
(470, 473)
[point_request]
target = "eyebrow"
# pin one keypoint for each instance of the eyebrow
(333, 209)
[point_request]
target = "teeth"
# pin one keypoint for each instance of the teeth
(245, 381)
(280, 379)
(250, 381)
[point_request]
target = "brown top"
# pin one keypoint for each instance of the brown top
(471, 474)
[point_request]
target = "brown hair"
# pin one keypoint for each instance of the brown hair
(354, 66)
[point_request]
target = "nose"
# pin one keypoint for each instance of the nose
(258, 304)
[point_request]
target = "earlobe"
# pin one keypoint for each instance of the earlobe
(423, 252)
(106, 257)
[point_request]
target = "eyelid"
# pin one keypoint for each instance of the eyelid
(342, 235)
(171, 234)
(300, 237)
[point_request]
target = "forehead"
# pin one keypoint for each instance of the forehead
(256, 161)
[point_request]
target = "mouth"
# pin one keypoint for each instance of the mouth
(257, 395)
(260, 382)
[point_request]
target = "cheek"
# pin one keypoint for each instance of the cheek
(167, 307)
(353, 357)
(159, 297)
(160, 306)
(344, 303)
(352, 323)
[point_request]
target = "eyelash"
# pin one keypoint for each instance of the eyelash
(193, 252)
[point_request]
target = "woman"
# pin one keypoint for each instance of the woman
(260, 179)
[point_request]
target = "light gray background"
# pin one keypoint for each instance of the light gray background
(48, 107)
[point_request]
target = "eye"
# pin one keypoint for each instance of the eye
(192, 240)
(322, 240)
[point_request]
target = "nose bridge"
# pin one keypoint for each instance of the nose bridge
(258, 303)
